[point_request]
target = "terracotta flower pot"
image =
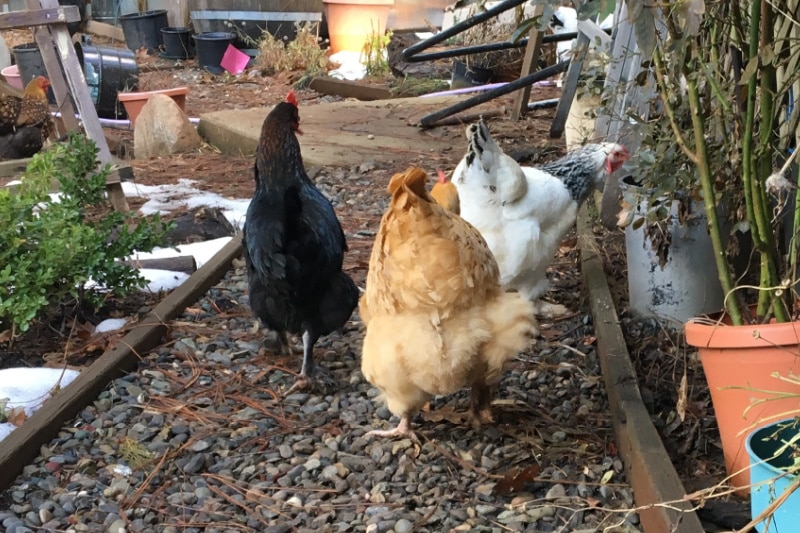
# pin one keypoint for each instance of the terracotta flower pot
(351, 22)
(741, 364)
(134, 102)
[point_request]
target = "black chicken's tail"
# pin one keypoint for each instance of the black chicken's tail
(338, 303)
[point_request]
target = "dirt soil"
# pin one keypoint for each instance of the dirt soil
(660, 357)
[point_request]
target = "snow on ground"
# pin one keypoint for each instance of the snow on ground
(166, 198)
(202, 251)
(29, 388)
(110, 324)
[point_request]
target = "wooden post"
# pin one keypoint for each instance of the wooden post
(49, 23)
(587, 31)
(529, 63)
(625, 65)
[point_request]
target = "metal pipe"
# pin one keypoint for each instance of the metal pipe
(489, 47)
(459, 27)
(431, 119)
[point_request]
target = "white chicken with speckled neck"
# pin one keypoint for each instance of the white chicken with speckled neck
(524, 213)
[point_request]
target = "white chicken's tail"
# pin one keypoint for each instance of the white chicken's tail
(481, 146)
(489, 166)
(512, 325)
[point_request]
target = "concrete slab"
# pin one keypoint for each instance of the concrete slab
(348, 133)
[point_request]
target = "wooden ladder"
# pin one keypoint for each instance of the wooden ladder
(48, 20)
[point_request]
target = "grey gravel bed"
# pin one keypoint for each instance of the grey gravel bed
(198, 438)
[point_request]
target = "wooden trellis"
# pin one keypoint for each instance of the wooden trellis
(48, 21)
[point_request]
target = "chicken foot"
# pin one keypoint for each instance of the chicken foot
(549, 310)
(403, 429)
(480, 408)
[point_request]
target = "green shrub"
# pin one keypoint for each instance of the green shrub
(49, 249)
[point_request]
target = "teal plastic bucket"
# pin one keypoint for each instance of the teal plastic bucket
(768, 477)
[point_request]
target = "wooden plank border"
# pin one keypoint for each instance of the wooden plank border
(647, 464)
(22, 446)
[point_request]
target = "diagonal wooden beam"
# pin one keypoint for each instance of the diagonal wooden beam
(532, 52)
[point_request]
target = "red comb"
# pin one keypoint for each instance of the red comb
(442, 176)
(291, 98)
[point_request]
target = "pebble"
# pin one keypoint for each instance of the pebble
(238, 453)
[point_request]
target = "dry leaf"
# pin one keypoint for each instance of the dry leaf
(16, 416)
(683, 397)
(515, 480)
(607, 477)
(445, 413)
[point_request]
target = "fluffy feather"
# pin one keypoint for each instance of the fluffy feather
(523, 213)
(437, 318)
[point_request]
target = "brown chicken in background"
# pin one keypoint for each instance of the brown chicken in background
(32, 110)
(446, 194)
(436, 317)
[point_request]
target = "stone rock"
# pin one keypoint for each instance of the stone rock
(162, 128)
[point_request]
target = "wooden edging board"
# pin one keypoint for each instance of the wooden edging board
(22, 446)
(657, 489)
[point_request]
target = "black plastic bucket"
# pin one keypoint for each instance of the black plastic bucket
(177, 43)
(469, 75)
(105, 11)
(73, 27)
(108, 71)
(211, 47)
(30, 63)
(143, 30)
(109, 11)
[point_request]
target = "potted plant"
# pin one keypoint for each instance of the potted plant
(729, 63)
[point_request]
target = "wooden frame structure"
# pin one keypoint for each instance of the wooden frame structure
(48, 20)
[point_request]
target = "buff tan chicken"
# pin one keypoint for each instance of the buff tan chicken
(446, 194)
(437, 319)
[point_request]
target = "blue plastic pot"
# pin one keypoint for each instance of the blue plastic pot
(768, 476)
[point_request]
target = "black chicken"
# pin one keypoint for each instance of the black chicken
(294, 244)
(24, 142)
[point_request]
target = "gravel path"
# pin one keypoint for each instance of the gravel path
(198, 439)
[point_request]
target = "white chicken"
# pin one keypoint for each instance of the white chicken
(523, 213)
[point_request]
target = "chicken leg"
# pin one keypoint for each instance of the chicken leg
(304, 379)
(480, 408)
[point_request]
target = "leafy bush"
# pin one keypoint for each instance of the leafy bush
(49, 249)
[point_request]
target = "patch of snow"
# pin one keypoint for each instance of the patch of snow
(29, 388)
(110, 324)
(202, 251)
(350, 66)
(166, 198)
(162, 280)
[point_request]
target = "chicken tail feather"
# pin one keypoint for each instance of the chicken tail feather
(412, 180)
(512, 324)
